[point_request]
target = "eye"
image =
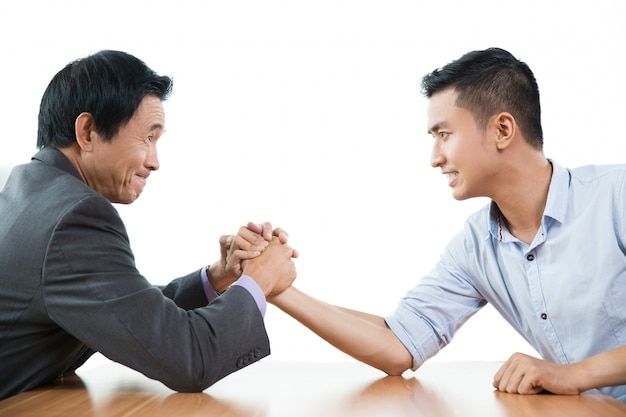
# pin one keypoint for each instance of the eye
(442, 135)
(149, 139)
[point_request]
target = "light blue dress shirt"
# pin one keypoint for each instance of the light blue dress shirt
(565, 293)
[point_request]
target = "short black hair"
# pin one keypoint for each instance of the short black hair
(488, 82)
(108, 84)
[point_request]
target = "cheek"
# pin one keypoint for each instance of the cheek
(126, 172)
(136, 161)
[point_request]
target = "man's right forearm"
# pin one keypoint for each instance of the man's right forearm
(364, 336)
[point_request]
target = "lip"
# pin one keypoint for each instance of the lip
(143, 179)
(452, 177)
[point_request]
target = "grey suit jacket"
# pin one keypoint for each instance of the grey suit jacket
(69, 286)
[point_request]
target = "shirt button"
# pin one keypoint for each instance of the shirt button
(544, 316)
(530, 257)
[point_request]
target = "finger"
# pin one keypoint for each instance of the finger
(226, 240)
(243, 255)
(500, 374)
(256, 228)
(245, 243)
(282, 235)
(294, 253)
(264, 229)
(251, 237)
(507, 378)
(527, 386)
(528, 383)
(267, 231)
(513, 382)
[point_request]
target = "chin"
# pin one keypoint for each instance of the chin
(128, 199)
(131, 199)
(458, 196)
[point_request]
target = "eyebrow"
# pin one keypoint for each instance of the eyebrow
(157, 126)
(436, 127)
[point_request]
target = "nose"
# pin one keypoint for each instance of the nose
(436, 157)
(152, 158)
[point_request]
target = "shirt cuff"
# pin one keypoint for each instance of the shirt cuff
(254, 290)
(244, 281)
(209, 291)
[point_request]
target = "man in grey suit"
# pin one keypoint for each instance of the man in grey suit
(68, 281)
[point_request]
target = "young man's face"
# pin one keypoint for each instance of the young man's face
(461, 150)
(120, 168)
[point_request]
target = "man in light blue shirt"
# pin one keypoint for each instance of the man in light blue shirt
(547, 252)
(564, 291)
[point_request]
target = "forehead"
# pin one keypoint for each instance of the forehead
(442, 101)
(442, 109)
(150, 114)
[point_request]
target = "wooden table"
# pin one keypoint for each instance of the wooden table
(275, 389)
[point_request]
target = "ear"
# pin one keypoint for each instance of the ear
(85, 129)
(505, 127)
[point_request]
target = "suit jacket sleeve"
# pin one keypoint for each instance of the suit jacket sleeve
(187, 292)
(93, 290)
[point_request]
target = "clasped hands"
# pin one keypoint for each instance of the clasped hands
(260, 252)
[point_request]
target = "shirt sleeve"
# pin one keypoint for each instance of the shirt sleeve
(210, 292)
(244, 281)
(253, 288)
(428, 316)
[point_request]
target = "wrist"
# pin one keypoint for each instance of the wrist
(582, 376)
(257, 277)
(593, 373)
(282, 299)
(218, 278)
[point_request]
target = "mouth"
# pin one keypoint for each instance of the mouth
(142, 179)
(451, 176)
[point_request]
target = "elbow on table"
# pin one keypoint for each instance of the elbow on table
(393, 362)
(395, 365)
(395, 369)
(396, 362)
(192, 381)
(198, 375)
(184, 385)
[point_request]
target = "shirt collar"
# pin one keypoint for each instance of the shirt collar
(556, 205)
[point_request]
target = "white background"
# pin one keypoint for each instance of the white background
(308, 114)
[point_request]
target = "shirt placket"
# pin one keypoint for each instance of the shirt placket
(530, 261)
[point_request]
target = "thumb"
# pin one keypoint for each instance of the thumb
(225, 241)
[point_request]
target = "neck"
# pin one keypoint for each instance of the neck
(72, 153)
(522, 208)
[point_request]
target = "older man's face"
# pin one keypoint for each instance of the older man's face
(119, 169)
